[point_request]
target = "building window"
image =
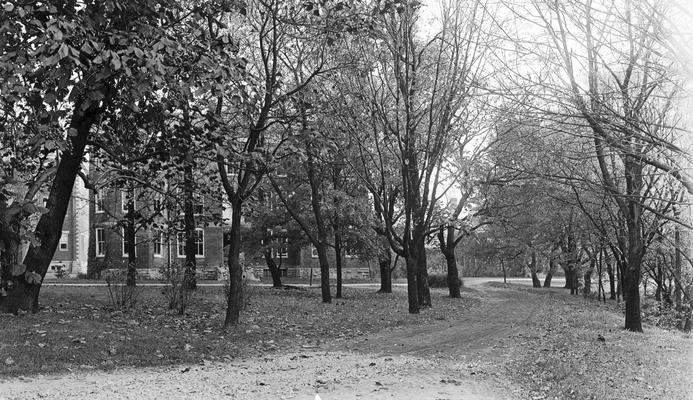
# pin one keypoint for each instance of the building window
(199, 243)
(199, 206)
(126, 244)
(313, 251)
(100, 242)
(64, 240)
(98, 203)
(158, 244)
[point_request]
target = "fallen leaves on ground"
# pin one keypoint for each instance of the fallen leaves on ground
(77, 329)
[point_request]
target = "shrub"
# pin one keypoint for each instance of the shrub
(177, 296)
(120, 294)
(438, 281)
(60, 271)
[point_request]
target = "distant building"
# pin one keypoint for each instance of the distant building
(71, 255)
(93, 242)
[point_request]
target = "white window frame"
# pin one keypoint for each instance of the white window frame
(64, 244)
(100, 244)
(98, 203)
(198, 205)
(200, 244)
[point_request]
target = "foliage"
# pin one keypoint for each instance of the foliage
(60, 271)
(438, 280)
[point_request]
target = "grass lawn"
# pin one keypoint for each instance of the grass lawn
(77, 329)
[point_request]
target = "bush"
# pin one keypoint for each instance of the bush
(120, 294)
(60, 271)
(82, 275)
(177, 296)
(664, 315)
(437, 281)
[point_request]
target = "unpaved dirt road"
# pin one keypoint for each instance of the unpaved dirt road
(448, 360)
(517, 344)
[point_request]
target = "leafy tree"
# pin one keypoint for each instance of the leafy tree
(277, 39)
(63, 64)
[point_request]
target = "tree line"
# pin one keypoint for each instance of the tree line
(535, 131)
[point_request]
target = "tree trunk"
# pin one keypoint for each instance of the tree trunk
(423, 291)
(612, 281)
(454, 281)
(505, 273)
(190, 280)
(384, 261)
(587, 277)
(659, 281)
(600, 274)
(275, 271)
(49, 228)
(129, 237)
(549, 274)
(636, 246)
(619, 281)
(316, 203)
(631, 291)
(533, 268)
(412, 288)
(446, 238)
(338, 263)
(536, 283)
(677, 264)
(235, 296)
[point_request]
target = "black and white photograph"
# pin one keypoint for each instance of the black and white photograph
(346, 199)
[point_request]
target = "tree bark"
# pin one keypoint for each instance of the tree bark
(190, 280)
(49, 228)
(612, 281)
(446, 238)
(636, 246)
(505, 273)
(321, 245)
(423, 291)
(385, 261)
(677, 264)
(275, 271)
(412, 288)
(338, 262)
(454, 281)
(550, 272)
(533, 267)
(129, 237)
(235, 297)
(587, 278)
